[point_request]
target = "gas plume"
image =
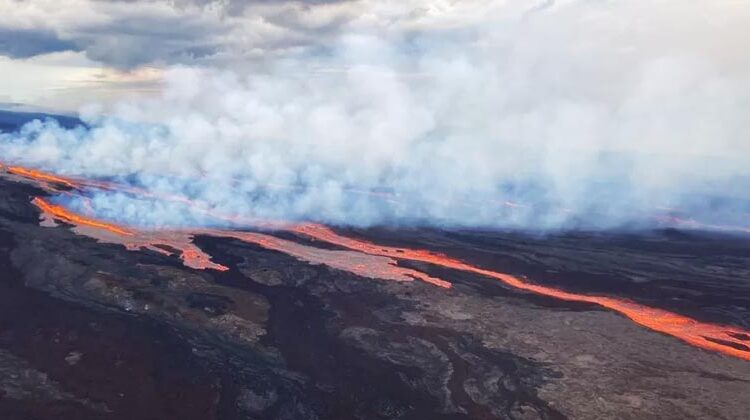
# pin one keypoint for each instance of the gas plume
(577, 115)
(362, 258)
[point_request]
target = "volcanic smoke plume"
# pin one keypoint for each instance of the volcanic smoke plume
(522, 124)
(421, 209)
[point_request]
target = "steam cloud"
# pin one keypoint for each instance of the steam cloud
(579, 115)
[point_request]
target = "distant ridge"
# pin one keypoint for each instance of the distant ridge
(14, 120)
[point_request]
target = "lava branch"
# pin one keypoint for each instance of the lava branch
(360, 264)
(41, 176)
(723, 339)
(51, 181)
(708, 336)
(61, 213)
(190, 254)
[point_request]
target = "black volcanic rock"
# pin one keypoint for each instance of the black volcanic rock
(94, 331)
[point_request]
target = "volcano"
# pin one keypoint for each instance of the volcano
(288, 320)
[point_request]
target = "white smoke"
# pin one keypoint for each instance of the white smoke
(590, 114)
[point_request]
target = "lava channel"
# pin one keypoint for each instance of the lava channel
(719, 338)
(42, 177)
(163, 241)
(723, 339)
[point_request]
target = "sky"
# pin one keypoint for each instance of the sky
(95, 50)
(63, 55)
(595, 109)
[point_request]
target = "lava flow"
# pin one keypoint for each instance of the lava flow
(361, 264)
(158, 241)
(50, 182)
(375, 261)
(61, 213)
(43, 177)
(727, 340)
(162, 241)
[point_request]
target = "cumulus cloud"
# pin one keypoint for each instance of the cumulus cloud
(581, 113)
(120, 34)
(129, 33)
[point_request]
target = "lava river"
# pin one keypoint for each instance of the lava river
(367, 259)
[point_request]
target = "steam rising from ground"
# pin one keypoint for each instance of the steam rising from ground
(582, 114)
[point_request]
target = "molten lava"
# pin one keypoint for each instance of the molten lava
(162, 241)
(369, 260)
(41, 176)
(361, 264)
(704, 335)
(61, 213)
(159, 241)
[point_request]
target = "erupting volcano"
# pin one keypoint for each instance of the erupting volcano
(374, 210)
(451, 307)
(368, 259)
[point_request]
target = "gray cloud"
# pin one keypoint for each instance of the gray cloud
(129, 41)
(449, 113)
(25, 43)
(237, 7)
(118, 34)
(129, 33)
(595, 127)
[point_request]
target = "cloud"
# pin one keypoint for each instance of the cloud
(129, 41)
(129, 33)
(516, 122)
(121, 34)
(25, 43)
(125, 34)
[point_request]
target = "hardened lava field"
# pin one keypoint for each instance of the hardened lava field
(309, 322)
(374, 210)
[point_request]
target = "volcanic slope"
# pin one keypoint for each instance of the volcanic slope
(99, 331)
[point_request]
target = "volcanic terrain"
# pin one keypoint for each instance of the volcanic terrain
(303, 321)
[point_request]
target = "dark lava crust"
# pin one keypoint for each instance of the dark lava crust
(93, 331)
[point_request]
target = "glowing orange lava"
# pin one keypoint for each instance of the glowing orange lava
(61, 213)
(361, 264)
(158, 241)
(190, 254)
(704, 335)
(41, 176)
(376, 261)
(49, 180)
(162, 241)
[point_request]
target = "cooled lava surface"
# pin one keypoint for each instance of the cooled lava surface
(304, 321)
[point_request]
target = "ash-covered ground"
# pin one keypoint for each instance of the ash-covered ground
(90, 330)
